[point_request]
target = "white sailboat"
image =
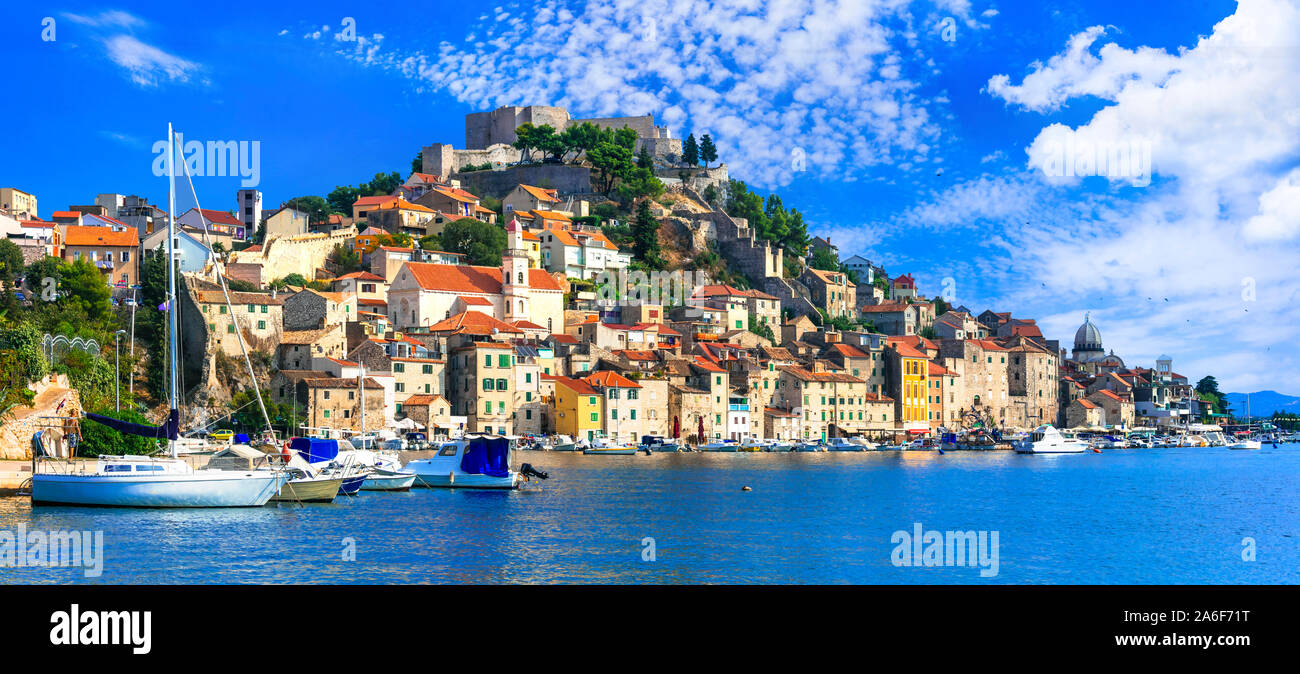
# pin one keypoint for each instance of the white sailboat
(151, 482)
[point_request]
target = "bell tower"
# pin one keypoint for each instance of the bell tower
(514, 274)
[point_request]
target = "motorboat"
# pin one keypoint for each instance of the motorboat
(473, 462)
(303, 487)
(809, 446)
(656, 443)
(720, 445)
(843, 445)
(1245, 443)
(1047, 440)
(752, 445)
(606, 446)
(562, 443)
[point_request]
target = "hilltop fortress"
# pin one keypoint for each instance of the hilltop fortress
(489, 137)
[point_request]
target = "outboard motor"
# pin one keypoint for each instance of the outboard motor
(527, 470)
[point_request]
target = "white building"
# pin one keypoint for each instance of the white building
(249, 208)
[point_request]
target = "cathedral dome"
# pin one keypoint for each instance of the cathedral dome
(1087, 337)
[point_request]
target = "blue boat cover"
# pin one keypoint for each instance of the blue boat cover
(170, 430)
(315, 450)
(241, 437)
(487, 456)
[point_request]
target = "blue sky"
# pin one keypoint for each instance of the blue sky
(927, 130)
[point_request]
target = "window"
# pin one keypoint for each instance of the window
(633, 414)
(264, 310)
(487, 360)
(223, 309)
(126, 256)
(252, 309)
(501, 385)
(487, 385)
(261, 325)
(399, 367)
(503, 360)
(594, 417)
(327, 414)
(230, 328)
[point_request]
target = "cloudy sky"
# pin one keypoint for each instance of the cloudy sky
(1139, 161)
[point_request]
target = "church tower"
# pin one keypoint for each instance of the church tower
(514, 274)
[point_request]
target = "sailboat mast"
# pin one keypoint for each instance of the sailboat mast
(173, 325)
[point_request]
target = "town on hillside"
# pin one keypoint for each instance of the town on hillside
(474, 296)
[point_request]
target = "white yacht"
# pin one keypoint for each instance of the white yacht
(1047, 440)
(844, 445)
(150, 482)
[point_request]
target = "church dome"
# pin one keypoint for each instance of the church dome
(1087, 337)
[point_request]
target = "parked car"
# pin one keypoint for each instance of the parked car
(222, 435)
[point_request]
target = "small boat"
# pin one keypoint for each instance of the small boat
(562, 443)
(656, 443)
(1047, 440)
(780, 446)
(605, 446)
(474, 462)
(1246, 444)
(809, 447)
(752, 445)
(843, 445)
(720, 446)
(383, 480)
(304, 487)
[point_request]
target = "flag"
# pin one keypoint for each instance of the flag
(163, 306)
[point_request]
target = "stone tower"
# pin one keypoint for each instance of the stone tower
(514, 274)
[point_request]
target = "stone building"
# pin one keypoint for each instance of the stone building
(257, 316)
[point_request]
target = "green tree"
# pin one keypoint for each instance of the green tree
(645, 237)
(691, 151)
(417, 164)
(481, 244)
(346, 259)
(1208, 387)
(708, 152)
(824, 259)
(317, 209)
(84, 285)
(611, 161)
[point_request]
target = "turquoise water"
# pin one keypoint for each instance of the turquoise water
(1125, 516)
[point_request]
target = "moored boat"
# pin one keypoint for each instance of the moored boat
(1047, 440)
(476, 462)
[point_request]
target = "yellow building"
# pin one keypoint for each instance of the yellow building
(909, 379)
(579, 409)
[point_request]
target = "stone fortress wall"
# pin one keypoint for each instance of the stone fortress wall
(489, 136)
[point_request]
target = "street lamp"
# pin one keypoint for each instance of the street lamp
(117, 379)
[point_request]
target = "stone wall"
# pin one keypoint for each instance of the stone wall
(483, 129)
(302, 254)
(565, 178)
(22, 423)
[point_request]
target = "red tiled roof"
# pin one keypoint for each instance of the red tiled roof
(577, 385)
(849, 350)
(609, 378)
(218, 217)
(79, 235)
(704, 364)
(461, 278)
(473, 323)
(541, 194)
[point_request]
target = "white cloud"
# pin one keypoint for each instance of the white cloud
(1279, 211)
(1189, 265)
(1076, 72)
(111, 18)
(827, 77)
(147, 64)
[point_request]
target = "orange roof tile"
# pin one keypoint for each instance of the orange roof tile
(473, 323)
(79, 235)
(541, 194)
(609, 378)
(460, 278)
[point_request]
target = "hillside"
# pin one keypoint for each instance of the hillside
(1264, 403)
